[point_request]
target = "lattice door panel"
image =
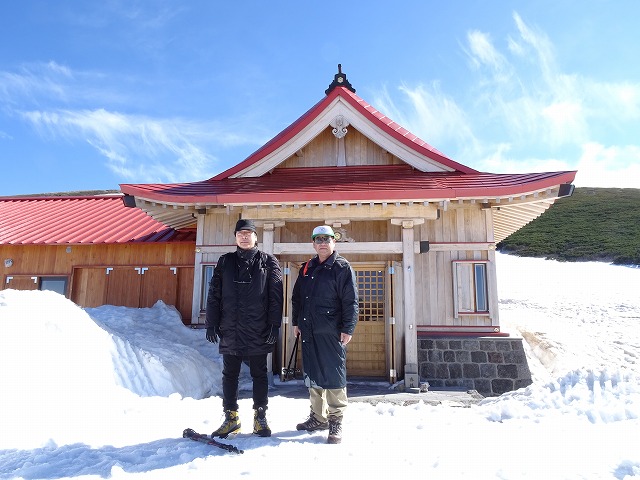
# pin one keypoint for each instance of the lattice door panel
(366, 355)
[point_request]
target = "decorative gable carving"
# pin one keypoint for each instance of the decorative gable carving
(339, 124)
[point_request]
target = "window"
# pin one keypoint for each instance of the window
(207, 273)
(470, 288)
(55, 284)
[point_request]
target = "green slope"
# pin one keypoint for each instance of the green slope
(594, 224)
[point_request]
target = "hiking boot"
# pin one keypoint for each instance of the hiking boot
(230, 426)
(335, 429)
(312, 423)
(260, 425)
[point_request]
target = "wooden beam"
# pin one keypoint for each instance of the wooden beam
(342, 247)
(357, 247)
(455, 246)
(365, 211)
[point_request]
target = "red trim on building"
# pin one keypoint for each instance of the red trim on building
(426, 331)
(431, 334)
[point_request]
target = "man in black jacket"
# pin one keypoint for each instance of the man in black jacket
(325, 312)
(244, 312)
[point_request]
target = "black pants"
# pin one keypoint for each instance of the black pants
(230, 374)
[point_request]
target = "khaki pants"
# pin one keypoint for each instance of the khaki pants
(328, 402)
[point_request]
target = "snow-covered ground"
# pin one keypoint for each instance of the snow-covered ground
(106, 392)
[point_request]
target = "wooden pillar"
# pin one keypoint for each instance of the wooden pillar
(268, 231)
(197, 272)
(411, 377)
(268, 236)
(492, 277)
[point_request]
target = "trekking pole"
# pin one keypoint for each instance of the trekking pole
(294, 359)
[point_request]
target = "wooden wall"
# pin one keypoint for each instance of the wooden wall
(323, 151)
(168, 273)
(434, 270)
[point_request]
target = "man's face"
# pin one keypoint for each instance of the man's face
(246, 239)
(324, 245)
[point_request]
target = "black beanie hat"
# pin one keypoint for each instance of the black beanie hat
(243, 224)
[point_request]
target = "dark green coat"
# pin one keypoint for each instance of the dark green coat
(325, 304)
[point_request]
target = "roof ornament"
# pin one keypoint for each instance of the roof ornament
(339, 124)
(339, 80)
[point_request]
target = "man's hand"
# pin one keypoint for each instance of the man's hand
(345, 338)
(213, 334)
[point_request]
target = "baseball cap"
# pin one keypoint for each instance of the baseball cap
(322, 230)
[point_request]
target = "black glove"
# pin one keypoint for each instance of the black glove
(213, 334)
(273, 335)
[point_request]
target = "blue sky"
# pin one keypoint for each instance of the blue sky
(95, 94)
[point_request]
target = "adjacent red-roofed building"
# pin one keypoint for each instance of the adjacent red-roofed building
(95, 251)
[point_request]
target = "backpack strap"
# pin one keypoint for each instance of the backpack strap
(264, 258)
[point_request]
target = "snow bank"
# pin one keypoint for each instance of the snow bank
(56, 367)
(603, 396)
(155, 354)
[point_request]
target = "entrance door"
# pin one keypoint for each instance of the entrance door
(366, 353)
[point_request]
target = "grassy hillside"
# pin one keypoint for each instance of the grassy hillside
(594, 224)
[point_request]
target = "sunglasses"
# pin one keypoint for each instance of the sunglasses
(320, 240)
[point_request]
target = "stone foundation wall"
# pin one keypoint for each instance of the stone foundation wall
(489, 365)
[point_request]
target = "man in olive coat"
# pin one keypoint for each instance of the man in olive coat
(325, 313)
(244, 313)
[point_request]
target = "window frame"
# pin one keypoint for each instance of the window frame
(204, 287)
(55, 279)
(470, 276)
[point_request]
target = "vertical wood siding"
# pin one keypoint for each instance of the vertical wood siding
(85, 267)
(323, 151)
(434, 287)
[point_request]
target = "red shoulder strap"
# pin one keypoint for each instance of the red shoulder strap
(306, 267)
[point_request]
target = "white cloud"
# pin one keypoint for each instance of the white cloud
(61, 103)
(597, 165)
(541, 46)
(613, 166)
(136, 147)
(519, 112)
(483, 52)
(500, 160)
(45, 83)
(565, 122)
(428, 113)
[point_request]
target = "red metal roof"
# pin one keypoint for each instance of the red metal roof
(350, 183)
(374, 116)
(80, 220)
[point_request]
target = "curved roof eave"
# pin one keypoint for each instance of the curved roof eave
(460, 186)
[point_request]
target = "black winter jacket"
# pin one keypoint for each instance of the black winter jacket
(325, 304)
(245, 301)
